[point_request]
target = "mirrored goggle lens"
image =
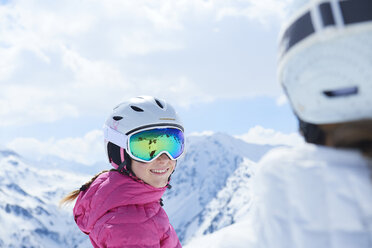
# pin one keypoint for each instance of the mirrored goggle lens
(146, 145)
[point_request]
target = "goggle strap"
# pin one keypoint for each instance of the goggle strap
(115, 137)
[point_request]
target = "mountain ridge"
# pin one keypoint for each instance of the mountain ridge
(201, 201)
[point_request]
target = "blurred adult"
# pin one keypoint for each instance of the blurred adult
(320, 194)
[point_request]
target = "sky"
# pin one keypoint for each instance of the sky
(66, 64)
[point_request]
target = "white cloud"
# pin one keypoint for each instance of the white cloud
(281, 100)
(7, 62)
(70, 58)
(90, 74)
(260, 135)
(205, 133)
(86, 150)
(143, 43)
(262, 10)
(27, 104)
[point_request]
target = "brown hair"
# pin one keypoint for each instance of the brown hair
(356, 135)
(70, 197)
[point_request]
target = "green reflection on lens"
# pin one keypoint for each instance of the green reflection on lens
(148, 144)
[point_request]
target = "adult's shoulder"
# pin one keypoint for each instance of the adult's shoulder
(311, 157)
(286, 157)
(304, 177)
(289, 173)
(297, 189)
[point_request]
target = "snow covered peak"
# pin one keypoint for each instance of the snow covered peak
(7, 153)
(29, 209)
(204, 171)
(210, 191)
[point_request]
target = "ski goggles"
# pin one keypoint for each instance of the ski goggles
(147, 145)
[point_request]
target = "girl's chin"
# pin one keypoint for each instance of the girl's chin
(159, 184)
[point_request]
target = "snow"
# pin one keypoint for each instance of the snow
(215, 166)
(230, 202)
(226, 193)
(239, 235)
(29, 209)
(208, 168)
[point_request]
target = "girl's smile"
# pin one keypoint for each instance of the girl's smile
(155, 173)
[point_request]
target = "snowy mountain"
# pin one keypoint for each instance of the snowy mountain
(29, 212)
(210, 191)
(231, 202)
(210, 184)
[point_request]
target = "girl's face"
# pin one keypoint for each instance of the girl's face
(155, 173)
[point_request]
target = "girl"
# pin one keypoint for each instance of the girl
(122, 207)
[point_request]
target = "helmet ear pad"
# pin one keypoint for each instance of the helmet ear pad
(312, 132)
(118, 155)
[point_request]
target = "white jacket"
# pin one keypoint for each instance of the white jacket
(312, 197)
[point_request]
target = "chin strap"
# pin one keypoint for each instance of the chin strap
(125, 167)
(122, 169)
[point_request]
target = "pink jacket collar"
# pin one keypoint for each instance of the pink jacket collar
(108, 191)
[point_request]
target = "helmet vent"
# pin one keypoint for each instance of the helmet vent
(159, 103)
(341, 92)
(117, 118)
(136, 109)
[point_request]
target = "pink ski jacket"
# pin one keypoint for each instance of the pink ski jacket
(117, 211)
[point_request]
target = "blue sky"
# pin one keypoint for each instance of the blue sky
(65, 64)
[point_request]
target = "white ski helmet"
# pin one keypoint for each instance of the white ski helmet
(133, 115)
(325, 60)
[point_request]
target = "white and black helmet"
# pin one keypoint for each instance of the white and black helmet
(325, 60)
(133, 115)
